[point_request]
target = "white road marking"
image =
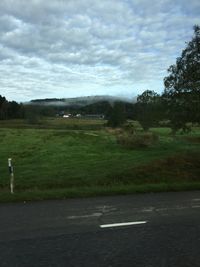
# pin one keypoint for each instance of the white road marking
(97, 214)
(121, 224)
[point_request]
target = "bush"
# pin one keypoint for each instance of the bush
(129, 128)
(137, 140)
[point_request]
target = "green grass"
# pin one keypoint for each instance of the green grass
(55, 123)
(64, 193)
(60, 163)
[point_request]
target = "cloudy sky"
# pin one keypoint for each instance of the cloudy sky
(68, 48)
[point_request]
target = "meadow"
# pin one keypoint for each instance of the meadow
(60, 158)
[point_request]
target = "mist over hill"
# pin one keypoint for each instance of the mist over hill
(80, 101)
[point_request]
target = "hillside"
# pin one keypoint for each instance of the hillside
(78, 101)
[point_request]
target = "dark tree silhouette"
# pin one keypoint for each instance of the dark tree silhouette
(148, 109)
(182, 86)
(117, 116)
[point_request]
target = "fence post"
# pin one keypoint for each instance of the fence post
(11, 171)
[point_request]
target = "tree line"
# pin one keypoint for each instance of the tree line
(14, 110)
(179, 104)
(10, 109)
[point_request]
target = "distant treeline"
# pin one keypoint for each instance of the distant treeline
(46, 100)
(10, 109)
(14, 110)
(151, 109)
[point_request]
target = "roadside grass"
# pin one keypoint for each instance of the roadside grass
(60, 163)
(65, 193)
(184, 168)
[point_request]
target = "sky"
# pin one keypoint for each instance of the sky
(70, 48)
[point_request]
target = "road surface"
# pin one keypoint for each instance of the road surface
(161, 229)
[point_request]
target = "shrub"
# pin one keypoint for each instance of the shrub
(129, 128)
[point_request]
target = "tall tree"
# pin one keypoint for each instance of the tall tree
(14, 110)
(182, 85)
(10, 110)
(148, 109)
(117, 116)
(3, 108)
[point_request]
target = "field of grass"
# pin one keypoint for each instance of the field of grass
(55, 123)
(53, 161)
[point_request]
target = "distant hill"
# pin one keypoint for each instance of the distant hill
(78, 101)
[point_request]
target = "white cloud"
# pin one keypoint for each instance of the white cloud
(63, 48)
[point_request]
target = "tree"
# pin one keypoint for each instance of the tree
(148, 109)
(117, 116)
(14, 110)
(3, 108)
(10, 110)
(182, 86)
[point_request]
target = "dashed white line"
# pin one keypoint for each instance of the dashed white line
(122, 224)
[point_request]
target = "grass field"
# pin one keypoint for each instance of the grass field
(53, 161)
(55, 123)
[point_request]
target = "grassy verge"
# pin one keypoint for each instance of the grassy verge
(57, 163)
(36, 195)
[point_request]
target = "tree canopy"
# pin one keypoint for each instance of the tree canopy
(182, 85)
(10, 110)
(117, 115)
(148, 109)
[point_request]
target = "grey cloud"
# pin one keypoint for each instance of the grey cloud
(81, 44)
(8, 23)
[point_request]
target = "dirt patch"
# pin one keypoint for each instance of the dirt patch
(176, 169)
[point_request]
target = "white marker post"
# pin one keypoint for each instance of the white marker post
(10, 167)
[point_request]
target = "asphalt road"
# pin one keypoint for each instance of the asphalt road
(75, 232)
